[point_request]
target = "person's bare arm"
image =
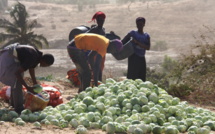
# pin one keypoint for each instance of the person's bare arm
(142, 45)
(126, 39)
(32, 74)
(96, 68)
(19, 77)
(91, 58)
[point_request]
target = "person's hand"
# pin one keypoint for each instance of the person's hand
(31, 90)
(112, 32)
(36, 83)
(134, 41)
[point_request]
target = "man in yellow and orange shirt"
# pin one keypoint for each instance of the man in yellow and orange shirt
(99, 46)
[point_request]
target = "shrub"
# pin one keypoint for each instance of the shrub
(192, 76)
(160, 46)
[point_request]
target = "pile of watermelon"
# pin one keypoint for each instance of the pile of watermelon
(128, 106)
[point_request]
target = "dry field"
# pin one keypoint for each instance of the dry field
(174, 23)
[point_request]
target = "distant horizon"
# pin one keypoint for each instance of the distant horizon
(174, 22)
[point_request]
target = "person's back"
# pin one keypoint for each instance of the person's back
(28, 56)
(90, 41)
(99, 45)
(97, 30)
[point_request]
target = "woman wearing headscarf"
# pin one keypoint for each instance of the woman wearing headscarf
(99, 17)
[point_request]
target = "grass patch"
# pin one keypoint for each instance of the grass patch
(192, 77)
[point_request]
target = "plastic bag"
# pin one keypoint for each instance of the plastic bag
(54, 93)
(72, 75)
(5, 93)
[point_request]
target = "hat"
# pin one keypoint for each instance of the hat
(118, 44)
(98, 14)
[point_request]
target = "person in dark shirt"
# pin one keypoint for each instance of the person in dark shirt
(99, 29)
(15, 59)
(100, 19)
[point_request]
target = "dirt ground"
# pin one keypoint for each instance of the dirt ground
(174, 23)
(9, 128)
(68, 92)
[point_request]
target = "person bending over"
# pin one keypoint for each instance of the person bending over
(99, 45)
(15, 59)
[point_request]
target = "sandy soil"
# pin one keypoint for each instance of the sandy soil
(9, 128)
(174, 23)
(113, 67)
(68, 92)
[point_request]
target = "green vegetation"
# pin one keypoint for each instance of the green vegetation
(47, 78)
(20, 30)
(159, 46)
(128, 106)
(192, 76)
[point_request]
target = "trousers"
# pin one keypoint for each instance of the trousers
(79, 59)
(8, 67)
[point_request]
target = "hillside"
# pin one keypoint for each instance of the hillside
(172, 22)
